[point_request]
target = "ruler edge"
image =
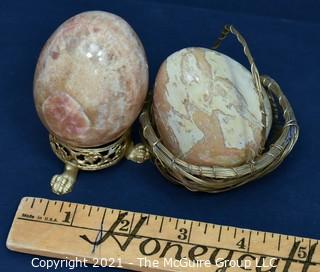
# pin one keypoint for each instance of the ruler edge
(9, 242)
(11, 245)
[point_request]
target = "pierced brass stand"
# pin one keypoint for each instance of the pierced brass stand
(92, 159)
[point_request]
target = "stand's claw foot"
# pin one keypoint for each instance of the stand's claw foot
(138, 153)
(63, 184)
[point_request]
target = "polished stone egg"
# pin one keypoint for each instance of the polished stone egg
(207, 110)
(91, 79)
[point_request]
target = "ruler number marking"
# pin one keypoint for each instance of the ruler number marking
(302, 252)
(242, 243)
(68, 214)
(183, 234)
(67, 217)
(125, 225)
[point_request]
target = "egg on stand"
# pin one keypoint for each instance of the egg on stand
(90, 84)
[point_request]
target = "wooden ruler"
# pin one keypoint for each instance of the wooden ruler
(145, 242)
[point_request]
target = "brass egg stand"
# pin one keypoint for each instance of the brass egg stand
(218, 179)
(92, 159)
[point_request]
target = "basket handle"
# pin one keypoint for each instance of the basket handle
(254, 71)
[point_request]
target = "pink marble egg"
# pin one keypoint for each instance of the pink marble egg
(91, 79)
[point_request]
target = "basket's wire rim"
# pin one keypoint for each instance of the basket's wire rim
(217, 179)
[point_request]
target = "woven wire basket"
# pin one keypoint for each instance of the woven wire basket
(282, 138)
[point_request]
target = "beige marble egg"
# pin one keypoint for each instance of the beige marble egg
(207, 110)
(91, 79)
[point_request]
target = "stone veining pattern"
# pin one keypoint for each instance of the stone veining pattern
(91, 79)
(207, 110)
